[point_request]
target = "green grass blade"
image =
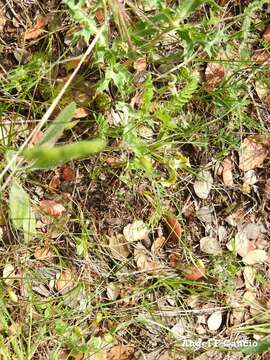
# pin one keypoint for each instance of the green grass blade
(45, 157)
(261, 347)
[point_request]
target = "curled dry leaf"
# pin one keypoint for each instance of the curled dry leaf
(193, 273)
(260, 57)
(253, 152)
(210, 245)
(81, 113)
(52, 208)
(139, 64)
(255, 257)
(226, 171)
(266, 33)
(214, 73)
(136, 231)
(118, 247)
(65, 282)
(174, 228)
(214, 321)
(203, 184)
(37, 30)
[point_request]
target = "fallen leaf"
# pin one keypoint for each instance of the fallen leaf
(260, 57)
(240, 243)
(37, 30)
(227, 174)
(113, 161)
(210, 245)
(193, 273)
(178, 329)
(55, 182)
(205, 214)
(203, 184)
(174, 228)
(43, 253)
(67, 173)
(214, 73)
(255, 257)
(143, 260)
(65, 282)
(113, 291)
(139, 64)
(214, 321)
(121, 352)
(158, 244)
(136, 231)
(253, 152)
(249, 274)
(174, 260)
(266, 33)
(250, 177)
(99, 15)
(8, 274)
(262, 89)
(118, 247)
(80, 113)
(52, 208)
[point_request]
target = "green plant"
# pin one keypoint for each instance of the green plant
(46, 155)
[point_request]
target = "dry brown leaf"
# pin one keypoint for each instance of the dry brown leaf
(214, 73)
(37, 30)
(227, 174)
(52, 208)
(253, 152)
(67, 173)
(118, 246)
(139, 64)
(260, 57)
(43, 253)
(81, 113)
(266, 33)
(193, 273)
(174, 227)
(121, 352)
(158, 244)
(99, 15)
(113, 161)
(55, 182)
(174, 260)
(65, 282)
